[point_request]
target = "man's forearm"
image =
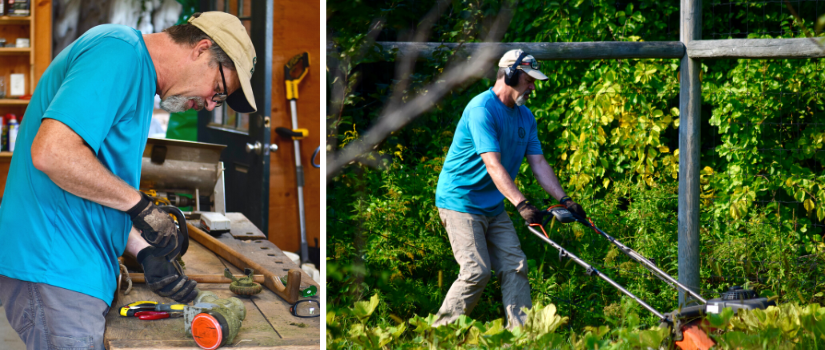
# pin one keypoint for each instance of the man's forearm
(545, 176)
(73, 167)
(135, 243)
(550, 184)
(501, 178)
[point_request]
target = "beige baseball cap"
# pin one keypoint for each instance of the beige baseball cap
(229, 33)
(529, 64)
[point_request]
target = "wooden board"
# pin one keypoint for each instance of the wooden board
(242, 228)
(268, 323)
(268, 255)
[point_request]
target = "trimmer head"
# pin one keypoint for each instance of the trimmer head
(736, 298)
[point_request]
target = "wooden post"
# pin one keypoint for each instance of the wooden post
(690, 100)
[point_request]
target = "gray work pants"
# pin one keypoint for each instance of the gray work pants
(49, 317)
(481, 243)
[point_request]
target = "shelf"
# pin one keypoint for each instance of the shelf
(15, 51)
(15, 20)
(13, 101)
(5, 154)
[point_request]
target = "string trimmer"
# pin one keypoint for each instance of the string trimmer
(294, 71)
(678, 320)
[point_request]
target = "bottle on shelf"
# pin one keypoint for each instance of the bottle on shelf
(13, 128)
(4, 139)
(3, 132)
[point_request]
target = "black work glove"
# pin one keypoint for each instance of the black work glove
(529, 212)
(574, 207)
(166, 278)
(156, 227)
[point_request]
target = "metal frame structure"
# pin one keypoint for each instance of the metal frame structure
(690, 49)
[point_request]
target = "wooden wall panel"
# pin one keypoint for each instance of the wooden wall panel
(296, 29)
(42, 37)
(5, 161)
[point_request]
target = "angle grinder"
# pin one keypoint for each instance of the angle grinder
(212, 321)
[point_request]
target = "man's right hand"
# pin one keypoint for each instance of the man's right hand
(529, 212)
(166, 278)
(155, 226)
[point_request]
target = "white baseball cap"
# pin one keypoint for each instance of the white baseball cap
(529, 64)
(229, 33)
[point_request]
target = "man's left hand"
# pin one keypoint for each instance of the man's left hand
(166, 278)
(574, 207)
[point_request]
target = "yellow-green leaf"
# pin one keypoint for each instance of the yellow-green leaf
(363, 309)
(674, 111)
(809, 204)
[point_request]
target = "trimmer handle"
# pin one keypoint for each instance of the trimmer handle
(561, 214)
(182, 230)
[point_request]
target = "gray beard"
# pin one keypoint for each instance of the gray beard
(521, 100)
(178, 104)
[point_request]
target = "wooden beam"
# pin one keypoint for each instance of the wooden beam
(552, 51)
(756, 48)
(690, 100)
(290, 293)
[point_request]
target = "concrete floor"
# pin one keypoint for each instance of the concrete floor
(8, 337)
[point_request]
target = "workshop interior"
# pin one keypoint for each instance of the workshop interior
(244, 187)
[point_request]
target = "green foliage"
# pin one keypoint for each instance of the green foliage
(787, 326)
(347, 330)
(609, 128)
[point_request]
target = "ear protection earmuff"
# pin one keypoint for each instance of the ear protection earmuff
(511, 73)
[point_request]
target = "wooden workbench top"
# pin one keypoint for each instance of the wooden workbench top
(268, 323)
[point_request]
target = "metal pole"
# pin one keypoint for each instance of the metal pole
(690, 99)
(651, 266)
(299, 173)
(563, 253)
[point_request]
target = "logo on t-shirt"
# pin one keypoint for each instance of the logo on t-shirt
(521, 132)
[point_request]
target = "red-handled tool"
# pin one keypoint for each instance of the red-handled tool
(155, 315)
(152, 315)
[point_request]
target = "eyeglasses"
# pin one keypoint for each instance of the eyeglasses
(218, 98)
(306, 309)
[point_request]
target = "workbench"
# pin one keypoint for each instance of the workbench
(268, 324)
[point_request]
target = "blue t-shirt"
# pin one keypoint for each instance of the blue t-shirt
(487, 125)
(102, 86)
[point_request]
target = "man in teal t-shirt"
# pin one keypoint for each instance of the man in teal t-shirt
(71, 207)
(495, 133)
